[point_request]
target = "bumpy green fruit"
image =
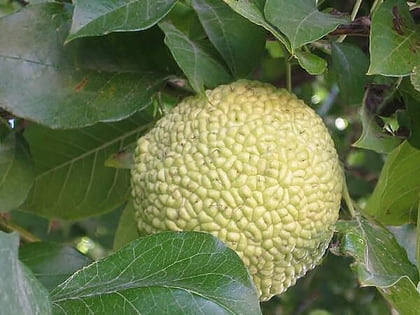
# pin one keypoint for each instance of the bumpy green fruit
(250, 164)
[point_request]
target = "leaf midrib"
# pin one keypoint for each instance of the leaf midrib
(94, 150)
(193, 292)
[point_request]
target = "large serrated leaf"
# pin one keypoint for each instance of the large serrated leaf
(300, 20)
(16, 171)
(397, 193)
(95, 18)
(71, 178)
(196, 58)
(52, 263)
(381, 262)
(253, 10)
(394, 40)
(166, 273)
(90, 80)
(20, 292)
(240, 42)
(350, 65)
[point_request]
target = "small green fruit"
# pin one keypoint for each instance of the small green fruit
(250, 164)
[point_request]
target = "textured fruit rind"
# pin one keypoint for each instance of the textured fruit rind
(252, 165)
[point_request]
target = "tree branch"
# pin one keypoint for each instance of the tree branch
(359, 27)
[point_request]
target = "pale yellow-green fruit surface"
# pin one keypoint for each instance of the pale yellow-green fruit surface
(250, 164)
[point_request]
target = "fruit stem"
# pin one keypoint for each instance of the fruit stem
(348, 200)
(352, 17)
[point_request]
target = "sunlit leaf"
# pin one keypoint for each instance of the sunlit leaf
(300, 20)
(166, 273)
(397, 193)
(94, 18)
(381, 262)
(90, 80)
(394, 40)
(254, 11)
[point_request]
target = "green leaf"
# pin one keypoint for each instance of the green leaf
(90, 80)
(312, 63)
(417, 257)
(186, 20)
(71, 179)
(413, 117)
(406, 235)
(127, 228)
(350, 65)
(300, 20)
(240, 42)
(394, 40)
(415, 78)
(381, 262)
(373, 136)
(20, 293)
(166, 273)
(4, 129)
(16, 172)
(410, 118)
(254, 11)
(196, 58)
(396, 195)
(52, 263)
(95, 18)
(8, 7)
(319, 312)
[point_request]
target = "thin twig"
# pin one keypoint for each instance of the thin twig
(352, 17)
(358, 27)
(25, 235)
